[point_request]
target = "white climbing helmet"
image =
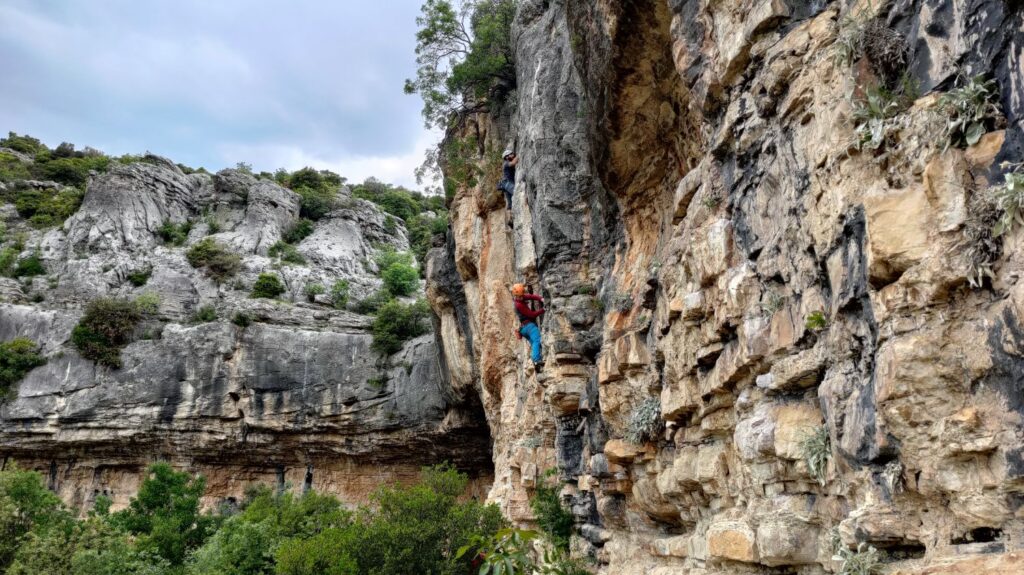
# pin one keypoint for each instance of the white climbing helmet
(506, 153)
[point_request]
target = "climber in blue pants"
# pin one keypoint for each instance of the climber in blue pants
(528, 321)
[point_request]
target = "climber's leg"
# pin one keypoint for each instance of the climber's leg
(532, 333)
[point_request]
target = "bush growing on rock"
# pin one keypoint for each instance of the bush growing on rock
(205, 314)
(396, 269)
(339, 294)
(29, 267)
(286, 252)
(219, 263)
(174, 234)
(372, 303)
(267, 286)
(104, 329)
(397, 323)
(553, 519)
(299, 231)
(312, 290)
(17, 357)
(138, 278)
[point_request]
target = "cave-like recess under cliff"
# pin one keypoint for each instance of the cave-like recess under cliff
(724, 235)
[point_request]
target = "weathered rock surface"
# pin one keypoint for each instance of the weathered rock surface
(687, 197)
(296, 397)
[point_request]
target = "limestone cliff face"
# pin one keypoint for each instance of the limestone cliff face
(692, 204)
(296, 397)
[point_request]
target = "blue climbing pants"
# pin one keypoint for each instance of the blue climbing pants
(532, 333)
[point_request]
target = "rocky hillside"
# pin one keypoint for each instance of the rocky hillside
(784, 326)
(277, 390)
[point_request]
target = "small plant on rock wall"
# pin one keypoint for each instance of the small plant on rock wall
(205, 314)
(148, 303)
(872, 117)
(241, 319)
(816, 321)
(17, 357)
(622, 302)
(585, 289)
(711, 201)
(267, 286)
(104, 329)
(1009, 198)
(552, 517)
(971, 110)
(864, 561)
(507, 552)
(892, 475)
(312, 290)
(644, 422)
(816, 449)
(139, 277)
(530, 442)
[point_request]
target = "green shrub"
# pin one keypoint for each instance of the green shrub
(372, 303)
(174, 234)
(204, 314)
(25, 505)
(17, 357)
(397, 323)
(816, 321)
(267, 286)
(165, 516)
(241, 319)
(11, 168)
(339, 294)
(29, 266)
(396, 269)
(72, 171)
(864, 561)
(552, 517)
(299, 231)
(622, 302)
(25, 144)
(816, 450)
(315, 203)
(104, 329)
(212, 225)
(644, 422)
(323, 554)
(287, 253)
(506, 552)
(8, 256)
(971, 110)
(1008, 197)
(401, 280)
(139, 277)
(312, 290)
(219, 263)
(46, 207)
(148, 303)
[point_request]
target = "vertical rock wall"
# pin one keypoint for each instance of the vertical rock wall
(691, 203)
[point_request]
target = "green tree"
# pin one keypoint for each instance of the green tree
(165, 514)
(26, 505)
(267, 286)
(397, 323)
(464, 56)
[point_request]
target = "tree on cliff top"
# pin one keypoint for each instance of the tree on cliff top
(464, 56)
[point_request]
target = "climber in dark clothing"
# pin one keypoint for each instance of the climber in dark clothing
(508, 175)
(528, 320)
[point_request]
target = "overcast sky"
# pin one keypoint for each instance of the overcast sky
(274, 83)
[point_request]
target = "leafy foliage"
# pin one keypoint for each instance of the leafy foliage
(148, 303)
(25, 506)
(553, 519)
(816, 321)
(17, 357)
(205, 314)
(971, 110)
(373, 302)
(1009, 198)
(816, 450)
(339, 294)
(864, 561)
(139, 277)
(174, 234)
(267, 286)
(312, 290)
(45, 207)
(299, 231)
(397, 323)
(644, 422)
(25, 144)
(504, 553)
(872, 115)
(397, 271)
(318, 190)
(104, 329)
(219, 263)
(28, 267)
(165, 514)
(287, 253)
(241, 319)
(464, 54)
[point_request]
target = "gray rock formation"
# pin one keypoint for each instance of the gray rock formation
(297, 396)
